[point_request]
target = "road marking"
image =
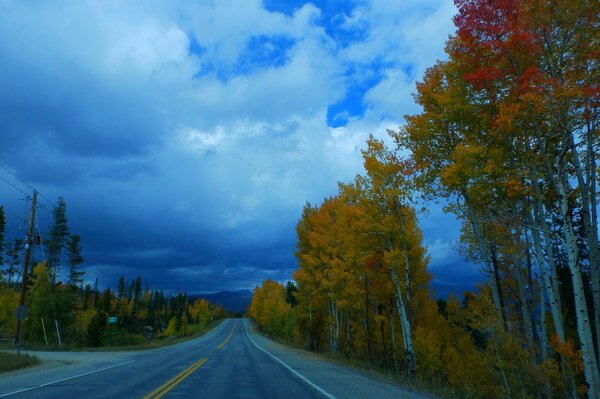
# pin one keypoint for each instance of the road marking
(173, 382)
(228, 337)
(303, 378)
(66, 379)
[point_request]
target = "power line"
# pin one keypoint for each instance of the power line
(15, 187)
(17, 177)
(25, 183)
(73, 222)
(15, 215)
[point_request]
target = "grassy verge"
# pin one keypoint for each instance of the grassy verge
(417, 385)
(154, 343)
(11, 361)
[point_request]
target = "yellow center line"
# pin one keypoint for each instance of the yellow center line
(167, 386)
(228, 337)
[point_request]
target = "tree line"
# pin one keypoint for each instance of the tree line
(65, 311)
(508, 137)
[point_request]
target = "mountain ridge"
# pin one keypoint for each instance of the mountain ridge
(233, 301)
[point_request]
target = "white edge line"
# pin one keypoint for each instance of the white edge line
(303, 378)
(66, 379)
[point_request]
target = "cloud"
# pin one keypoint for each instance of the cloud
(186, 137)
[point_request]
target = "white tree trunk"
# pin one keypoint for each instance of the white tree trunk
(549, 286)
(524, 306)
(590, 366)
(587, 190)
(544, 327)
(405, 323)
(406, 262)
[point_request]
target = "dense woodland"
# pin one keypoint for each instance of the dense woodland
(508, 138)
(80, 312)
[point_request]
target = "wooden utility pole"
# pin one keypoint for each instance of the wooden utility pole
(26, 263)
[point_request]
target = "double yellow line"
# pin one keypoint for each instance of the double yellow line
(228, 337)
(173, 382)
(167, 386)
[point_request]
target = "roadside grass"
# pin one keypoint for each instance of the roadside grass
(12, 361)
(422, 387)
(154, 343)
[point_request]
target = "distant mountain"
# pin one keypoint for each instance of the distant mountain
(233, 301)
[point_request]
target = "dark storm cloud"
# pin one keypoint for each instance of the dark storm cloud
(73, 115)
(186, 137)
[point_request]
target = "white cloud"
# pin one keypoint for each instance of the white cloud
(197, 141)
(440, 250)
(108, 96)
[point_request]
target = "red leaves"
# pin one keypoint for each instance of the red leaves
(374, 262)
(530, 79)
(485, 21)
(495, 40)
(482, 77)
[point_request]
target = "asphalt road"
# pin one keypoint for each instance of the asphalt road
(231, 361)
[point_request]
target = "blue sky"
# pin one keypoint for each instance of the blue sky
(186, 136)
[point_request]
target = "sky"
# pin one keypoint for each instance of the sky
(186, 136)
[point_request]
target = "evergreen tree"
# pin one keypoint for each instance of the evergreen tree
(121, 287)
(13, 252)
(290, 290)
(137, 290)
(2, 232)
(75, 259)
(58, 238)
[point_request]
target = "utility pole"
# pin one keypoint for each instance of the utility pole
(21, 316)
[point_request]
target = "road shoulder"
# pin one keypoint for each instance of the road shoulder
(336, 378)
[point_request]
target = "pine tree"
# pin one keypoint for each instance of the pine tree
(121, 287)
(58, 238)
(74, 260)
(2, 232)
(14, 253)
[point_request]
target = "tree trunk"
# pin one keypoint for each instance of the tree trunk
(393, 333)
(524, 307)
(406, 262)
(348, 342)
(549, 281)
(543, 325)
(491, 266)
(382, 330)
(404, 322)
(590, 366)
(367, 324)
(549, 271)
(589, 215)
(333, 328)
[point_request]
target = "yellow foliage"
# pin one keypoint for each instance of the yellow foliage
(270, 310)
(171, 328)
(9, 300)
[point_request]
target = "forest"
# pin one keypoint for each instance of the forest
(507, 138)
(65, 311)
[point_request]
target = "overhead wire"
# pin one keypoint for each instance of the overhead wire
(15, 216)
(54, 205)
(13, 186)
(16, 176)
(26, 184)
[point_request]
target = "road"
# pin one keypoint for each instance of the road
(231, 361)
